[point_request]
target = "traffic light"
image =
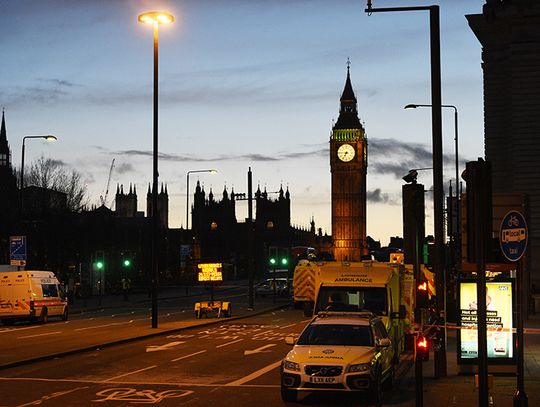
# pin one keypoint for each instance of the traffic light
(99, 260)
(272, 261)
(284, 261)
(422, 296)
(127, 260)
(422, 349)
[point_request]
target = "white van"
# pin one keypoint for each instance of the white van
(30, 294)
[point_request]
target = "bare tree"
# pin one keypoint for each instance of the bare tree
(53, 174)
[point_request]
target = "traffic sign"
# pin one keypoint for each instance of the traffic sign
(17, 250)
(513, 235)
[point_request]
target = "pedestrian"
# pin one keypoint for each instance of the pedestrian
(126, 285)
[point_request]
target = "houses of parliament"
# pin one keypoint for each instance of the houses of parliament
(68, 242)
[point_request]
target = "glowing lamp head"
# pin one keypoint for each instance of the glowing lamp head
(423, 286)
(156, 17)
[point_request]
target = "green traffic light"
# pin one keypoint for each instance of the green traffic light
(272, 261)
(284, 261)
(127, 262)
(99, 265)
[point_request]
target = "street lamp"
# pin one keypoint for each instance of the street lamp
(458, 219)
(187, 192)
(438, 193)
(48, 137)
(155, 18)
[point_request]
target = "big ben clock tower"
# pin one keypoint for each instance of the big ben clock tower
(348, 165)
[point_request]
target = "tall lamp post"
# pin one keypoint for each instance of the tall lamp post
(187, 192)
(458, 220)
(438, 193)
(48, 137)
(155, 18)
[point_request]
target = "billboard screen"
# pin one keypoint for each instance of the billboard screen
(499, 320)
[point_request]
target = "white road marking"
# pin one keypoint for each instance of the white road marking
(104, 326)
(179, 336)
(44, 334)
(263, 333)
(127, 382)
(287, 326)
(51, 396)
(188, 356)
(228, 343)
(130, 373)
(7, 330)
(254, 375)
(155, 348)
(258, 350)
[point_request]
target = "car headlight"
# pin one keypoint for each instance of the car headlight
(362, 367)
(287, 364)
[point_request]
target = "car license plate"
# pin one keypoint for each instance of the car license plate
(317, 379)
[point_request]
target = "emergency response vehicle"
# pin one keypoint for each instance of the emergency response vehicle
(386, 289)
(31, 295)
(339, 351)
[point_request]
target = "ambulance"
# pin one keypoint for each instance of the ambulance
(31, 295)
(383, 288)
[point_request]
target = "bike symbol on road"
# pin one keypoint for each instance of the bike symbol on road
(139, 396)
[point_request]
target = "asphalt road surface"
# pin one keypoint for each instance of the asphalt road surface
(232, 363)
(101, 326)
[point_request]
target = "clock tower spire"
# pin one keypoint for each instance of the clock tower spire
(348, 165)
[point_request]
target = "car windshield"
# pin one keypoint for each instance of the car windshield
(340, 335)
(352, 299)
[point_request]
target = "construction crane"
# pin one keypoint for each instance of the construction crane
(103, 198)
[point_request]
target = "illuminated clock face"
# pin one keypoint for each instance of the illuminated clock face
(345, 152)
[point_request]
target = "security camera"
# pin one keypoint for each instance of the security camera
(411, 177)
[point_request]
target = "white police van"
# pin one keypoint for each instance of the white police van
(31, 295)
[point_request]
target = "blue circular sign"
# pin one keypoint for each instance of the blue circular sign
(513, 235)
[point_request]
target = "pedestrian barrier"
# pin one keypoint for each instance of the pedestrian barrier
(203, 308)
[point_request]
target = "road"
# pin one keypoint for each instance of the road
(232, 363)
(104, 325)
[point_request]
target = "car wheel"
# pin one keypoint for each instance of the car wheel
(375, 390)
(44, 316)
(288, 395)
(65, 314)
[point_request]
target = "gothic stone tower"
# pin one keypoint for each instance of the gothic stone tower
(126, 204)
(348, 165)
(9, 193)
(162, 206)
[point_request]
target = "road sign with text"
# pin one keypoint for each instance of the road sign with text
(17, 250)
(513, 235)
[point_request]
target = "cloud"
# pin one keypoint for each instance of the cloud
(124, 168)
(376, 196)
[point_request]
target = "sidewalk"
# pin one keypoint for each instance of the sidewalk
(459, 390)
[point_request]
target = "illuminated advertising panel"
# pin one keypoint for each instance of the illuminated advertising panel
(499, 320)
(209, 272)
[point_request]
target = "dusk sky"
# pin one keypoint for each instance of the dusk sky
(243, 83)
